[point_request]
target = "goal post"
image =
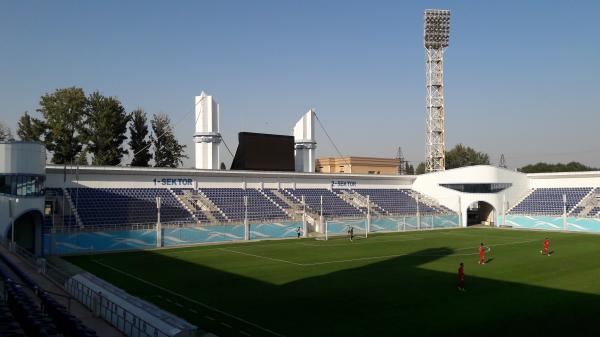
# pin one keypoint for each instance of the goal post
(341, 228)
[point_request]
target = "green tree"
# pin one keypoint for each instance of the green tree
(409, 169)
(420, 168)
(460, 156)
(5, 133)
(559, 167)
(138, 142)
(167, 150)
(30, 129)
(81, 158)
(106, 124)
(63, 112)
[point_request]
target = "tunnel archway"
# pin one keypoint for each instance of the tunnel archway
(481, 213)
(28, 231)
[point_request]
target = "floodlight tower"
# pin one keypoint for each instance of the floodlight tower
(436, 35)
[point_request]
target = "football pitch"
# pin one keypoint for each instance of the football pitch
(399, 284)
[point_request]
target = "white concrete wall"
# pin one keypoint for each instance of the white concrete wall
(107, 177)
(564, 179)
(22, 157)
(429, 184)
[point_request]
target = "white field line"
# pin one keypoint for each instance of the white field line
(371, 241)
(379, 257)
(262, 257)
(187, 298)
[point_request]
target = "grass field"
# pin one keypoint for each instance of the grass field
(386, 285)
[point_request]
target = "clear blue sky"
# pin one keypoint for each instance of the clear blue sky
(522, 78)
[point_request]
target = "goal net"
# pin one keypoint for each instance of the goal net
(342, 228)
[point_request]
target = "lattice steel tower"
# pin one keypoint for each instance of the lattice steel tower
(436, 35)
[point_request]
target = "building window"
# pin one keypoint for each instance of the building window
(22, 185)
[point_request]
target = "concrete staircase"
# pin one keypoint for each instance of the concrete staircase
(589, 202)
(427, 200)
(207, 206)
(185, 203)
(71, 207)
(359, 201)
(290, 212)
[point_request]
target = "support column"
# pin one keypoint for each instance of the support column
(565, 226)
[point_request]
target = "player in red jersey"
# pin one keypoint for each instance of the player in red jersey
(481, 254)
(546, 250)
(461, 277)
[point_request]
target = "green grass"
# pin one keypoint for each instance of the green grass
(386, 285)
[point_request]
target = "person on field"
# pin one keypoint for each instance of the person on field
(481, 254)
(546, 250)
(461, 277)
(351, 232)
(298, 232)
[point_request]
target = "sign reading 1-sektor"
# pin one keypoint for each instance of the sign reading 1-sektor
(173, 181)
(343, 183)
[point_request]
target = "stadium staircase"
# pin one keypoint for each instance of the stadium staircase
(72, 208)
(589, 205)
(359, 201)
(269, 195)
(211, 210)
(429, 201)
(188, 205)
(202, 208)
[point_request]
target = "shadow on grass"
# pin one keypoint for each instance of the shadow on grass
(393, 297)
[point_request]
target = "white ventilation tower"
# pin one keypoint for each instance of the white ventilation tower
(207, 137)
(305, 143)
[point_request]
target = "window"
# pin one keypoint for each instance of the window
(478, 188)
(22, 185)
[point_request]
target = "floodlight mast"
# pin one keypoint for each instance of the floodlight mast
(436, 36)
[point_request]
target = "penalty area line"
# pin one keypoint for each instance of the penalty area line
(261, 257)
(187, 298)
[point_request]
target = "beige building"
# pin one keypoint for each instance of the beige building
(358, 165)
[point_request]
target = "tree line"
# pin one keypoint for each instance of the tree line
(76, 127)
(461, 155)
(458, 156)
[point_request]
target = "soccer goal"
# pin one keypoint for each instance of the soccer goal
(342, 228)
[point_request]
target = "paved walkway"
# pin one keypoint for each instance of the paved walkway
(101, 327)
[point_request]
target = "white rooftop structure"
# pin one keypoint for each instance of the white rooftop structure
(207, 136)
(305, 143)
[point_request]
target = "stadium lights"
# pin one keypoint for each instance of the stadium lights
(436, 32)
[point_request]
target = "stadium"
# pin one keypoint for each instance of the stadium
(264, 248)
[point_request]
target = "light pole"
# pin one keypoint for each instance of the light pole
(11, 211)
(246, 222)
(368, 216)
(436, 35)
(564, 197)
(158, 224)
(304, 227)
(418, 213)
